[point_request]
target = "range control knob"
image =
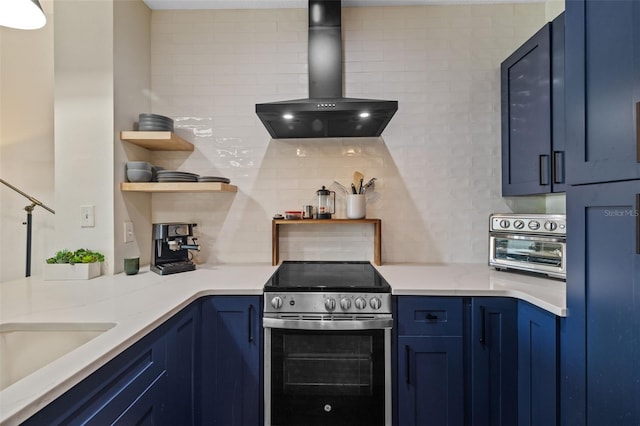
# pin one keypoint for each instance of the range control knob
(375, 303)
(276, 302)
(550, 226)
(534, 225)
(518, 224)
(345, 304)
(504, 224)
(361, 303)
(330, 304)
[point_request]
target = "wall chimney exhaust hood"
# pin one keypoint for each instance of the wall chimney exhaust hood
(326, 113)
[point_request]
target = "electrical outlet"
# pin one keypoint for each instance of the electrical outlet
(87, 216)
(128, 232)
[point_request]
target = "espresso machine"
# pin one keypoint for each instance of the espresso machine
(171, 248)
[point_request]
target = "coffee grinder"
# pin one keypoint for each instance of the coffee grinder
(171, 248)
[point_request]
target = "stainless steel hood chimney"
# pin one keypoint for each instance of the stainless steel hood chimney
(326, 114)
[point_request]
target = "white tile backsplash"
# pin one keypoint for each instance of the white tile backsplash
(437, 164)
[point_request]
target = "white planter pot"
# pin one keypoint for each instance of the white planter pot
(66, 271)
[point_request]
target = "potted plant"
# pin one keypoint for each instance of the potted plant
(81, 264)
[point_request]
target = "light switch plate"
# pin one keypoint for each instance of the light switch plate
(87, 216)
(128, 232)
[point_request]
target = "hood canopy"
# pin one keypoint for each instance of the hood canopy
(326, 114)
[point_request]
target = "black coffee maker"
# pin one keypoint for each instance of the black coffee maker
(171, 248)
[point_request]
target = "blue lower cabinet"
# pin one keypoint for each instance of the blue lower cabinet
(131, 389)
(494, 361)
(183, 367)
(430, 381)
(151, 383)
(429, 354)
(537, 366)
(231, 385)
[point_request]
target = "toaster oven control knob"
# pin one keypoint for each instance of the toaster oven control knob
(518, 224)
(375, 303)
(276, 302)
(361, 303)
(330, 304)
(504, 224)
(550, 226)
(345, 304)
(534, 225)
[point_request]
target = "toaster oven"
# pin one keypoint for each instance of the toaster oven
(534, 243)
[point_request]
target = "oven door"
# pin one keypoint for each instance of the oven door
(528, 253)
(327, 377)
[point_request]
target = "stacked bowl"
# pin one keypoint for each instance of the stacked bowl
(148, 122)
(139, 171)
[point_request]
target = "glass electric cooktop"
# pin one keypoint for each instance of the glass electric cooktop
(327, 276)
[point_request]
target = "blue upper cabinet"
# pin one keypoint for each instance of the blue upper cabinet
(532, 91)
(602, 90)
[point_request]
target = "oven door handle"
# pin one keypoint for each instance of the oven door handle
(330, 325)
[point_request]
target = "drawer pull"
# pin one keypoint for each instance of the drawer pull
(432, 317)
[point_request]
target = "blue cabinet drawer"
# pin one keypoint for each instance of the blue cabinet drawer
(429, 316)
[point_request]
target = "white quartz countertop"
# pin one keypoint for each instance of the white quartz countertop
(139, 303)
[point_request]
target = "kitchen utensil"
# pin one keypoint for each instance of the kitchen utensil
(326, 203)
(357, 177)
(369, 186)
(340, 186)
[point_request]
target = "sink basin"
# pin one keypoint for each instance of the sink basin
(27, 347)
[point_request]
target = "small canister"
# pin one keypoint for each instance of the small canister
(307, 212)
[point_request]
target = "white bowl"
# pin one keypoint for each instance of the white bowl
(138, 165)
(137, 175)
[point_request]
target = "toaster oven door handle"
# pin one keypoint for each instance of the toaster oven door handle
(330, 325)
(545, 239)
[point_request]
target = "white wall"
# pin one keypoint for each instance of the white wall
(26, 144)
(438, 162)
(132, 76)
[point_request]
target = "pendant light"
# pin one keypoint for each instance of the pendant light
(22, 14)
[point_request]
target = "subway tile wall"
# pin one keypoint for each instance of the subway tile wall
(437, 163)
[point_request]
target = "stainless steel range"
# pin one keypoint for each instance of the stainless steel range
(529, 242)
(327, 345)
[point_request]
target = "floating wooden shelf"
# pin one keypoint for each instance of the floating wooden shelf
(157, 141)
(177, 187)
(275, 234)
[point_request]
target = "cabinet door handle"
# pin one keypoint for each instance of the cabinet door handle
(637, 132)
(250, 321)
(637, 212)
(431, 317)
(544, 170)
(407, 376)
(483, 332)
(558, 167)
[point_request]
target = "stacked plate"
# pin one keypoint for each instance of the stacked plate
(176, 176)
(154, 123)
(213, 179)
